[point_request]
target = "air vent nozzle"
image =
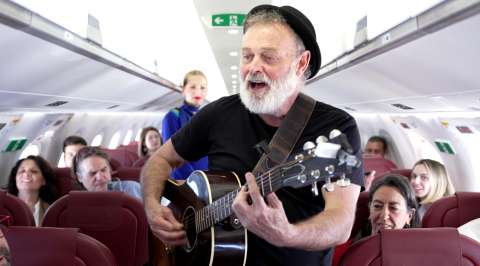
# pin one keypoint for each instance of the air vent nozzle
(57, 103)
(111, 107)
(351, 109)
(401, 106)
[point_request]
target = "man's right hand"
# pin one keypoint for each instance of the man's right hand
(164, 225)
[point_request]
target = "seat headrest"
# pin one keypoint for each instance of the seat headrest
(467, 206)
(94, 210)
(56, 246)
(438, 247)
(3, 195)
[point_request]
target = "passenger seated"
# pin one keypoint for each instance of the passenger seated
(5, 253)
(92, 172)
(150, 142)
(70, 147)
(392, 205)
(376, 145)
(195, 88)
(33, 181)
(430, 183)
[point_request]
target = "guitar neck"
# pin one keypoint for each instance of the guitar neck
(221, 209)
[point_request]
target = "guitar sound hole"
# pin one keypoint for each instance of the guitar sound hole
(189, 227)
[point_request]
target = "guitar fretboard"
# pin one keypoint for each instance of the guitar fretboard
(222, 208)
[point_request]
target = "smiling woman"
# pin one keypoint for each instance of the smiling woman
(33, 181)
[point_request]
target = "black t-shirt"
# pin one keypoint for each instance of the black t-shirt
(226, 132)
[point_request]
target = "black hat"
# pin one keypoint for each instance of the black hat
(303, 27)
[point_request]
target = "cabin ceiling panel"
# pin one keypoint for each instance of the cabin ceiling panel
(33, 66)
(445, 62)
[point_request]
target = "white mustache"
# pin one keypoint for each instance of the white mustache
(257, 77)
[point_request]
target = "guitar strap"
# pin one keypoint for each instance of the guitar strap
(287, 134)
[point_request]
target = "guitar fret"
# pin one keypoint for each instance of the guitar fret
(263, 192)
(270, 180)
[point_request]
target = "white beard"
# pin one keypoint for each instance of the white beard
(271, 101)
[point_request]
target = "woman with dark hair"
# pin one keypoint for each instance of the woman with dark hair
(150, 142)
(195, 88)
(392, 205)
(33, 181)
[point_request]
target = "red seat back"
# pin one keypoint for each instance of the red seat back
(362, 213)
(378, 164)
(133, 147)
(64, 181)
(453, 211)
(115, 219)
(124, 156)
(425, 246)
(141, 162)
(19, 212)
(405, 172)
(56, 246)
(125, 173)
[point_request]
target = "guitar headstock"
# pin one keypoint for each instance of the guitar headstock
(328, 158)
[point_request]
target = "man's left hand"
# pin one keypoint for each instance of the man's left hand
(267, 221)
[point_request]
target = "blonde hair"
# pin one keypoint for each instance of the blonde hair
(193, 73)
(440, 184)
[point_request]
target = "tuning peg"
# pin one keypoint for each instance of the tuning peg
(329, 187)
(299, 157)
(321, 139)
(314, 189)
(330, 169)
(308, 145)
(335, 133)
(315, 173)
(343, 182)
(302, 178)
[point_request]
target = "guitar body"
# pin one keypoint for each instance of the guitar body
(218, 245)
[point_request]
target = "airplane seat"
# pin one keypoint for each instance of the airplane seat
(19, 212)
(419, 246)
(128, 173)
(125, 157)
(133, 147)
(141, 162)
(452, 211)
(64, 181)
(361, 214)
(56, 246)
(405, 172)
(378, 164)
(115, 219)
(114, 164)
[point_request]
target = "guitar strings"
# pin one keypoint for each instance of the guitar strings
(190, 218)
(273, 172)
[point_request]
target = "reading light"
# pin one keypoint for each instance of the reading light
(234, 86)
(233, 31)
(233, 53)
(234, 82)
(234, 67)
(234, 76)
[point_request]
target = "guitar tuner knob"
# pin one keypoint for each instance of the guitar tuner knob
(316, 173)
(302, 178)
(329, 187)
(314, 189)
(299, 157)
(343, 182)
(330, 169)
(335, 133)
(308, 146)
(321, 139)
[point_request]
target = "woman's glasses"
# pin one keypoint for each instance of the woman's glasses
(4, 225)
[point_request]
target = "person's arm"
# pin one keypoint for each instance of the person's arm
(326, 229)
(368, 180)
(154, 175)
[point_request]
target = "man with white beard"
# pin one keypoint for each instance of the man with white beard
(292, 227)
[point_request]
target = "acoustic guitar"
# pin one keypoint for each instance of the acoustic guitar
(203, 203)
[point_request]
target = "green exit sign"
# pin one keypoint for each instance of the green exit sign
(445, 146)
(228, 20)
(15, 145)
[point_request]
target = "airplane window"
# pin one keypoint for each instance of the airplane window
(114, 141)
(126, 141)
(137, 138)
(97, 141)
(61, 163)
(423, 148)
(30, 150)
